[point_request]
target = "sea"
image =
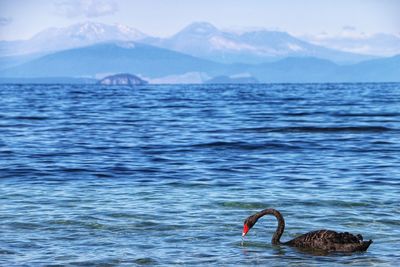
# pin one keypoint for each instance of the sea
(165, 175)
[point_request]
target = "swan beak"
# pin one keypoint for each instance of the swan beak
(245, 230)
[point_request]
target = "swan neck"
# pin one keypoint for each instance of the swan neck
(281, 224)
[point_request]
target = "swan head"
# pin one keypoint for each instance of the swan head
(248, 224)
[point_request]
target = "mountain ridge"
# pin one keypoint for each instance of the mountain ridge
(204, 40)
(199, 39)
(154, 63)
(110, 57)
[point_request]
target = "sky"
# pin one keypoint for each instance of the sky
(21, 19)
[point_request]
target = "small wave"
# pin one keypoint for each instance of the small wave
(293, 99)
(334, 203)
(6, 252)
(121, 215)
(79, 223)
(104, 175)
(22, 172)
(299, 114)
(31, 118)
(17, 125)
(393, 114)
(73, 170)
(245, 145)
(78, 92)
(312, 129)
(382, 142)
(243, 205)
(177, 106)
(26, 225)
(145, 261)
(6, 152)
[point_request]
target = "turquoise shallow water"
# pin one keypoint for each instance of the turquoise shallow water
(165, 175)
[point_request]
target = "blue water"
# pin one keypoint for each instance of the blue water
(165, 175)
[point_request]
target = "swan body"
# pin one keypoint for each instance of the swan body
(322, 240)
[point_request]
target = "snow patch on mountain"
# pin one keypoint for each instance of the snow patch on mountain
(77, 35)
(294, 47)
(221, 43)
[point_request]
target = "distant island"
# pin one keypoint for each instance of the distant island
(122, 79)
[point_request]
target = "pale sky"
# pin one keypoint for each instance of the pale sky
(21, 19)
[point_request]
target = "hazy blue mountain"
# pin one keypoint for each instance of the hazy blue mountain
(11, 61)
(109, 58)
(318, 70)
(203, 40)
(77, 35)
(378, 70)
(295, 70)
(47, 80)
(154, 63)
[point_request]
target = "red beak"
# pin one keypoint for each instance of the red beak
(245, 230)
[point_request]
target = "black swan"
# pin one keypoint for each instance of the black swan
(321, 240)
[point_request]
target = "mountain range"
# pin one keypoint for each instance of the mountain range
(197, 53)
(200, 39)
(203, 40)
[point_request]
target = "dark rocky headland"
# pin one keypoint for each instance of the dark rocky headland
(122, 79)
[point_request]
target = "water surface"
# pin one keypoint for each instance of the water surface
(165, 175)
